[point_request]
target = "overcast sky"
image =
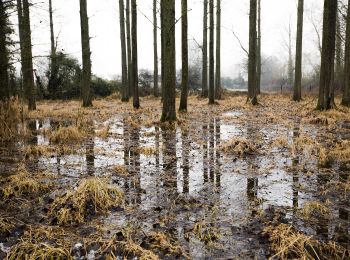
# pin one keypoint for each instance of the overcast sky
(105, 42)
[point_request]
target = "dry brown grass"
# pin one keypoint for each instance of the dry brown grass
(314, 209)
(148, 151)
(324, 158)
(23, 183)
(341, 152)
(280, 142)
(6, 224)
(93, 195)
(287, 243)
(38, 150)
(206, 232)
(66, 135)
(162, 242)
(41, 243)
(322, 120)
(238, 146)
(10, 117)
(121, 170)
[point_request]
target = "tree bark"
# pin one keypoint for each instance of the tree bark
(168, 31)
(346, 93)
(339, 67)
(52, 87)
(135, 77)
(205, 51)
(299, 53)
(27, 57)
(290, 58)
(128, 44)
(258, 55)
(218, 51)
(325, 101)
(162, 49)
(252, 53)
(184, 80)
(125, 96)
(211, 54)
(155, 50)
(4, 59)
(86, 55)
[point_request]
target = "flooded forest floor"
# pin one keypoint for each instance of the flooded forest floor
(228, 181)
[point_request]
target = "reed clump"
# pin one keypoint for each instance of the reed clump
(93, 195)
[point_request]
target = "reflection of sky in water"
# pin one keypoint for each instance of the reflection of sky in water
(274, 188)
(235, 183)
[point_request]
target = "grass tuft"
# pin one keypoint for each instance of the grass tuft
(10, 117)
(22, 183)
(40, 243)
(6, 224)
(314, 209)
(239, 146)
(66, 135)
(93, 195)
(287, 243)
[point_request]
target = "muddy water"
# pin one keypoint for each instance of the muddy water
(187, 181)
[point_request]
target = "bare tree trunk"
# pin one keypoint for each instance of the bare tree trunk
(328, 52)
(128, 44)
(52, 86)
(211, 54)
(162, 48)
(125, 96)
(86, 55)
(168, 31)
(135, 77)
(27, 58)
(252, 53)
(339, 68)
(184, 80)
(299, 53)
(155, 50)
(258, 55)
(4, 59)
(346, 93)
(205, 51)
(218, 51)
(290, 58)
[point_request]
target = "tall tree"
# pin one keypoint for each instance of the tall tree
(155, 50)
(26, 52)
(162, 49)
(252, 53)
(258, 54)
(4, 58)
(211, 53)
(205, 51)
(184, 71)
(52, 86)
(86, 55)
(299, 53)
(128, 44)
(346, 94)
(325, 99)
(290, 67)
(218, 51)
(168, 31)
(125, 96)
(339, 57)
(135, 75)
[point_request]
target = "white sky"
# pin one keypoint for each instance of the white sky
(104, 30)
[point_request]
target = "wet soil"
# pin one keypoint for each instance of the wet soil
(212, 203)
